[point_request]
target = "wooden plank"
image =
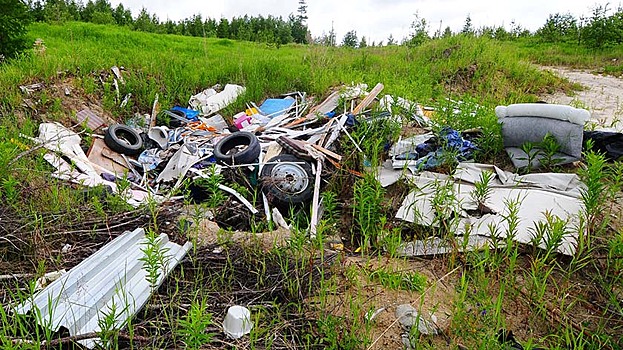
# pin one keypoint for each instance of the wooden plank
(272, 152)
(327, 127)
(154, 112)
(99, 154)
(368, 99)
(93, 121)
(329, 104)
(325, 151)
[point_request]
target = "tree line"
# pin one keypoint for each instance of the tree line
(602, 28)
(270, 29)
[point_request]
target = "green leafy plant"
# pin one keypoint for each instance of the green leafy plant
(399, 280)
(531, 153)
(215, 196)
(593, 194)
(482, 191)
(367, 209)
(192, 328)
(155, 258)
(549, 149)
(109, 331)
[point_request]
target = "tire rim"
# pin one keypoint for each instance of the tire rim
(289, 178)
(127, 137)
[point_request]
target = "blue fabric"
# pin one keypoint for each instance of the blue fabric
(453, 143)
(351, 121)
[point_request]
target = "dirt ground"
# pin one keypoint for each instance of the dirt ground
(602, 95)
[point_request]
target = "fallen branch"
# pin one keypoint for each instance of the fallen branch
(92, 335)
(15, 276)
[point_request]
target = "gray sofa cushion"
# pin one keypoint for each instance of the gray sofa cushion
(519, 158)
(518, 130)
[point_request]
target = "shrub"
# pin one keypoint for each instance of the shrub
(14, 18)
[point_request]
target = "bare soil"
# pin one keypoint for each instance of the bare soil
(602, 95)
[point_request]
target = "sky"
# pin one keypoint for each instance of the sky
(374, 19)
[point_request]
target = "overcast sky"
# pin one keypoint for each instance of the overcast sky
(374, 19)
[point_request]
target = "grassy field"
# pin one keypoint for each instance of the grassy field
(301, 294)
(571, 55)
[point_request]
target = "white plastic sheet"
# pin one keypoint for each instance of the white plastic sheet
(209, 101)
(539, 196)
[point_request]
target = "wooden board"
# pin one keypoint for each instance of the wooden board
(106, 158)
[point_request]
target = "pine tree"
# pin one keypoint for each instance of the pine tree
(468, 29)
(363, 42)
(350, 39)
(302, 10)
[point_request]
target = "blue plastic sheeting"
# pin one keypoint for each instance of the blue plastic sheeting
(453, 142)
(190, 114)
(276, 106)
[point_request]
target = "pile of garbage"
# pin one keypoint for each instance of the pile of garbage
(280, 146)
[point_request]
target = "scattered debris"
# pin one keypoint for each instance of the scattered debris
(507, 339)
(437, 246)
(372, 314)
(29, 89)
(608, 143)
(539, 199)
(400, 106)
(284, 151)
(117, 74)
(123, 139)
(113, 281)
(408, 316)
(92, 120)
(48, 278)
(103, 156)
(209, 101)
(426, 152)
(237, 322)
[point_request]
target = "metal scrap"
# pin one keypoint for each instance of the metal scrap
(113, 281)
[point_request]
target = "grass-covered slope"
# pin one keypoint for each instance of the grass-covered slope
(176, 66)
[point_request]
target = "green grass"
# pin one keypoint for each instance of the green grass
(299, 294)
(607, 60)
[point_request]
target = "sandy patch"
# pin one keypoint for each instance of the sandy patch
(602, 96)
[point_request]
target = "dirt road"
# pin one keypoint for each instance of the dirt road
(602, 95)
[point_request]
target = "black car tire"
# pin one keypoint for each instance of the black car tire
(227, 150)
(123, 139)
(287, 179)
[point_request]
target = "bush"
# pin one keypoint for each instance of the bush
(14, 18)
(558, 28)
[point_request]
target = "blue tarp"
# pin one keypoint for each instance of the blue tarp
(273, 107)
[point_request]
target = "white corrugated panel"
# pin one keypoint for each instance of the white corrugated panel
(111, 279)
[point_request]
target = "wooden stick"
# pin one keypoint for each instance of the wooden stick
(16, 276)
(312, 112)
(93, 335)
(368, 99)
(154, 113)
(324, 150)
(316, 200)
